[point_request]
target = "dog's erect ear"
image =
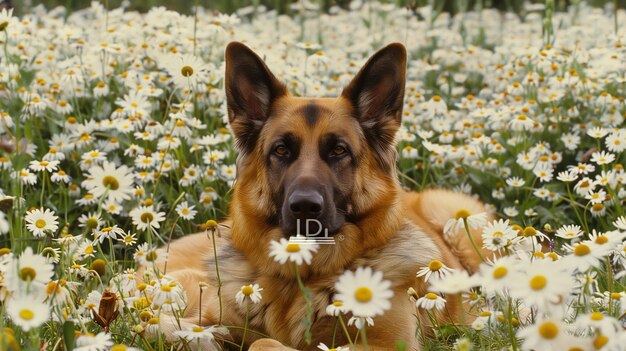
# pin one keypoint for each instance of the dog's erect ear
(250, 90)
(377, 95)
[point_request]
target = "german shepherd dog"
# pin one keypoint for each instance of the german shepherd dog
(332, 160)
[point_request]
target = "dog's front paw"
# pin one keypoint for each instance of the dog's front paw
(269, 345)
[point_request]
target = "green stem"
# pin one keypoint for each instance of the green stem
(306, 292)
(510, 325)
(364, 337)
(245, 325)
(471, 238)
(345, 330)
(219, 280)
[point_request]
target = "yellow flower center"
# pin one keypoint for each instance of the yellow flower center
(548, 330)
(530, 231)
(293, 248)
(27, 314)
(616, 296)
(152, 256)
(500, 272)
(597, 316)
(431, 296)
(363, 294)
(582, 250)
(40, 223)
(538, 282)
(119, 347)
(602, 239)
(197, 329)
(485, 314)
(435, 265)
(111, 182)
(462, 214)
(247, 290)
(166, 288)
(89, 250)
(28, 273)
(146, 217)
(44, 163)
(53, 287)
(186, 71)
(180, 123)
(600, 341)
(337, 303)
(153, 321)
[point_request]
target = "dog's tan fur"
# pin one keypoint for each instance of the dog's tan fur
(392, 231)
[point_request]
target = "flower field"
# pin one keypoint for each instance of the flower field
(114, 139)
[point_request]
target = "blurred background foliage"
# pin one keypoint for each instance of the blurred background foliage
(229, 6)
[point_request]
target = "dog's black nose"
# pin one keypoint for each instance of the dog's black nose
(306, 204)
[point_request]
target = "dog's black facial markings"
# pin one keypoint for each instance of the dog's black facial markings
(284, 149)
(333, 149)
(311, 113)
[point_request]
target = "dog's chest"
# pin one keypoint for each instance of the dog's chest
(283, 310)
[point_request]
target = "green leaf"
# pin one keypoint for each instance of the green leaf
(69, 335)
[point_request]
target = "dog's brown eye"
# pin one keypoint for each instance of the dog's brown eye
(339, 151)
(281, 150)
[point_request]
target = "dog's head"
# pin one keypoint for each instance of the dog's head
(325, 160)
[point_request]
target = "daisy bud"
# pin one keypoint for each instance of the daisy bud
(138, 329)
(99, 266)
(145, 316)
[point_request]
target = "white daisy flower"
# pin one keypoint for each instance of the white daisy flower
(430, 301)
(252, 292)
(40, 166)
(569, 232)
(28, 312)
(284, 251)
(113, 232)
(363, 292)
(116, 183)
(39, 222)
(455, 282)
(457, 224)
(497, 235)
(145, 217)
(435, 268)
(197, 333)
(545, 334)
(542, 283)
(185, 211)
(335, 309)
(360, 322)
(186, 70)
(602, 157)
(89, 342)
